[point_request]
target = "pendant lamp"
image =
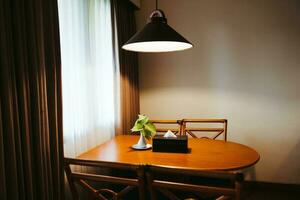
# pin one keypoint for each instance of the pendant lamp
(157, 36)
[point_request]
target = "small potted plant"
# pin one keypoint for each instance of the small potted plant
(146, 129)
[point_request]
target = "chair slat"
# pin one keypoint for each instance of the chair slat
(171, 127)
(103, 178)
(206, 120)
(205, 129)
(93, 163)
(192, 126)
(192, 187)
(90, 189)
(168, 194)
(213, 174)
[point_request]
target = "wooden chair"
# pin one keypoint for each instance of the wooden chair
(85, 179)
(215, 184)
(162, 126)
(193, 126)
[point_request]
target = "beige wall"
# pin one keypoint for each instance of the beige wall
(245, 67)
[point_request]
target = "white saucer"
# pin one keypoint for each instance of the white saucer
(148, 146)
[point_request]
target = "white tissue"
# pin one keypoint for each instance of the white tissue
(170, 134)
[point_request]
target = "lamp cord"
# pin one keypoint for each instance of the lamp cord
(156, 4)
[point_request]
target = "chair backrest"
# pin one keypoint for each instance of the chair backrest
(201, 183)
(162, 126)
(193, 126)
(85, 179)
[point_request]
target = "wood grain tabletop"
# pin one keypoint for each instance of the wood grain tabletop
(205, 154)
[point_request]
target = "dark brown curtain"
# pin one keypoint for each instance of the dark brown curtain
(125, 27)
(31, 149)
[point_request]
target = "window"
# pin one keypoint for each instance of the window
(88, 74)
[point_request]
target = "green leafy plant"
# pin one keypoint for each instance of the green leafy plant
(144, 126)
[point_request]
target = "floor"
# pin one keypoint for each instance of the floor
(269, 192)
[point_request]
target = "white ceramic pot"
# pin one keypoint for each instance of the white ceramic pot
(142, 142)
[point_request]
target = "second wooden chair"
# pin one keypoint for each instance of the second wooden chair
(212, 184)
(86, 180)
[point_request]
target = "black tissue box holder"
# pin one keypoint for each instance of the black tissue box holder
(173, 145)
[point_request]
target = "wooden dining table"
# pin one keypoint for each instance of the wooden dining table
(204, 154)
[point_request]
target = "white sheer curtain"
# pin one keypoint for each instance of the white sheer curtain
(88, 74)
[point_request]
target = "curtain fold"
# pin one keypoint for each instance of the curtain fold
(124, 28)
(31, 143)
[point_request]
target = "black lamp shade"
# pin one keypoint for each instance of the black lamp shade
(157, 36)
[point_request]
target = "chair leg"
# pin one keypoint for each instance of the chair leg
(238, 190)
(71, 183)
(149, 177)
(141, 187)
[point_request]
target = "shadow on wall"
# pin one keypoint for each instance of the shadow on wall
(290, 164)
(250, 173)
